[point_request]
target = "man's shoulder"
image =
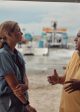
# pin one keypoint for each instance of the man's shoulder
(75, 54)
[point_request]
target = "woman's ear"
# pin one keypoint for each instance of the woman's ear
(10, 33)
(6, 34)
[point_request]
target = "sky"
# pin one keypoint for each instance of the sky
(33, 16)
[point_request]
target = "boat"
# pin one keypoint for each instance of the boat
(57, 38)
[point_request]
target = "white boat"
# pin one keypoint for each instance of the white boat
(28, 50)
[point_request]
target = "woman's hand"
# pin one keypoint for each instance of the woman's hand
(20, 89)
(29, 108)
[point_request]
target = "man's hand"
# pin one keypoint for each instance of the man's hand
(72, 85)
(54, 78)
(29, 108)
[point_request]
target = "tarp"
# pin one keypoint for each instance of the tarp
(28, 36)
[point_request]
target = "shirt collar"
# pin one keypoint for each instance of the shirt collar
(7, 47)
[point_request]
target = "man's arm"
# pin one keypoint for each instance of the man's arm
(62, 79)
(55, 78)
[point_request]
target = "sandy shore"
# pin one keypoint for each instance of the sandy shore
(43, 96)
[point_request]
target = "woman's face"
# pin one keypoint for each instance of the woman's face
(77, 41)
(17, 33)
(10, 32)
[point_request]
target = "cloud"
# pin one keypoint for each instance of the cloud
(35, 15)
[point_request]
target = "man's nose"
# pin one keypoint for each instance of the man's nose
(21, 33)
(75, 39)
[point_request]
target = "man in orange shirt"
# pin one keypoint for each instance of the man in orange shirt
(70, 100)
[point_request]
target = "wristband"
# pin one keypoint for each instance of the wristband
(27, 103)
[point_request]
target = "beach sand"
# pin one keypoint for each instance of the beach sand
(43, 96)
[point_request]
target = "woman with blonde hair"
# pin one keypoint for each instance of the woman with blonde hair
(13, 78)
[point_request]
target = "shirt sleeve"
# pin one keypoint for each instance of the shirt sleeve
(67, 67)
(6, 64)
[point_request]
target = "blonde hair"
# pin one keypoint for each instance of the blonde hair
(6, 27)
(1, 43)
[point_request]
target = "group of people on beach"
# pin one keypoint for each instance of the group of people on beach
(13, 77)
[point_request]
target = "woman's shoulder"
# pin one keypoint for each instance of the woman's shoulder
(3, 51)
(19, 54)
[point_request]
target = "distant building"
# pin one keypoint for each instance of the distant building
(56, 38)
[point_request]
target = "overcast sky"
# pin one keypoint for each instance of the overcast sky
(36, 15)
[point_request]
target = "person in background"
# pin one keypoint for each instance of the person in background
(13, 78)
(70, 100)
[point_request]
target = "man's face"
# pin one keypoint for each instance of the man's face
(77, 41)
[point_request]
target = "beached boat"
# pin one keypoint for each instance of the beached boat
(57, 38)
(29, 50)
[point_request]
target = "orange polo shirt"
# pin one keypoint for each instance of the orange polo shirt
(70, 102)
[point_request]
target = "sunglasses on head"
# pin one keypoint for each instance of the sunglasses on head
(16, 31)
(12, 30)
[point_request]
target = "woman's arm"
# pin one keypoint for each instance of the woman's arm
(26, 81)
(13, 83)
